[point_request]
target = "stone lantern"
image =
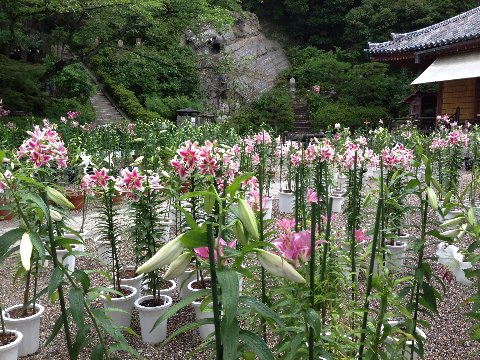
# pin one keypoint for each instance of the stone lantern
(292, 85)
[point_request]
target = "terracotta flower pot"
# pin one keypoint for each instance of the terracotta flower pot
(185, 187)
(77, 199)
(6, 215)
(117, 198)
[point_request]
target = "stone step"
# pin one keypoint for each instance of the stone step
(104, 109)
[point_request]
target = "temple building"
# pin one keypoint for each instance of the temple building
(448, 54)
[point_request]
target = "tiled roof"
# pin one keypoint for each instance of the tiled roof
(465, 26)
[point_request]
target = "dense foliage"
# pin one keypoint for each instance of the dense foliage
(273, 108)
(349, 93)
(347, 23)
(159, 68)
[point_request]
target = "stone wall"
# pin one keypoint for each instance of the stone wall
(238, 64)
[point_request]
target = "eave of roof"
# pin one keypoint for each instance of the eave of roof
(460, 28)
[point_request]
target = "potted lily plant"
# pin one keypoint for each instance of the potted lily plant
(9, 339)
(224, 270)
(286, 195)
(119, 296)
(145, 193)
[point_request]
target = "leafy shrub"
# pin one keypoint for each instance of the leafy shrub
(73, 82)
(55, 108)
(369, 84)
(273, 108)
(168, 106)
(148, 71)
(20, 85)
(323, 70)
(128, 102)
(349, 116)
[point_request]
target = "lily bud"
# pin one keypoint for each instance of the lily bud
(278, 266)
(26, 248)
(178, 266)
(247, 217)
(58, 198)
(432, 198)
(55, 215)
(451, 233)
(452, 222)
(164, 256)
(471, 217)
(239, 232)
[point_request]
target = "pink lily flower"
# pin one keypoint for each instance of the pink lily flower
(312, 196)
(100, 178)
(203, 252)
(361, 235)
(131, 180)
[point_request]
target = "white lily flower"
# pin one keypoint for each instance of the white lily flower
(453, 261)
(109, 158)
(86, 161)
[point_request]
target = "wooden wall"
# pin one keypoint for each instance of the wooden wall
(463, 94)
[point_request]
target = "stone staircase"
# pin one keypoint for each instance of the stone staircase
(302, 123)
(105, 111)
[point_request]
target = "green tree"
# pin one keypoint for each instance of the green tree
(375, 20)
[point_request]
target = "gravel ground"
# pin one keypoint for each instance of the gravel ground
(447, 340)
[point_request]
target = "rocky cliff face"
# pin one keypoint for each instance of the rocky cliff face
(238, 64)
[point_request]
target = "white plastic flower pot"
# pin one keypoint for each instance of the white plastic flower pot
(164, 228)
(207, 313)
(337, 192)
(182, 282)
(397, 353)
(268, 208)
(376, 173)
(167, 290)
(286, 202)
(28, 326)
(396, 254)
(421, 172)
(126, 304)
(67, 261)
(337, 202)
(10, 351)
(104, 251)
(342, 181)
(80, 247)
(149, 315)
(453, 213)
(135, 282)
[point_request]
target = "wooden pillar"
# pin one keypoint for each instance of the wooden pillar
(477, 100)
(439, 98)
